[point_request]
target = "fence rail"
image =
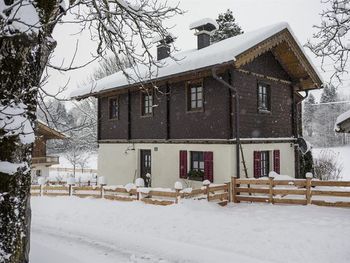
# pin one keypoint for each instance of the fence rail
(217, 193)
(269, 190)
(297, 192)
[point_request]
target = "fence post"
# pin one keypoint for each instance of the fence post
(234, 189)
(270, 189)
(177, 196)
(41, 190)
(102, 190)
(137, 193)
(208, 193)
(308, 187)
(228, 191)
(70, 192)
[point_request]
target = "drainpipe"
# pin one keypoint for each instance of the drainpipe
(235, 92)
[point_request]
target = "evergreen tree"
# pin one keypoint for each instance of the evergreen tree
(308, 116)
(227, 27)
(329, 94)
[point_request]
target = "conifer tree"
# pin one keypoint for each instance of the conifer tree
(227, 27)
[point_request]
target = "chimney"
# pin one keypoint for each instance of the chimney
(163, 48)
(204, 29)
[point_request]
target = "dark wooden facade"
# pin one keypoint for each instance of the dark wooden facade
(172, 121)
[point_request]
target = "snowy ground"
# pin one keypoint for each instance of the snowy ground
(344, 159)
(73, 230)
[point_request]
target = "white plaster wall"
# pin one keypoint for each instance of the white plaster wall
(120, 165)
(287, 157)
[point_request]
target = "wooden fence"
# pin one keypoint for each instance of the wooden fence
(156, 196)
(297, 191)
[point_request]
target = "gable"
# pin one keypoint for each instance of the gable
(266, 64)
(288, 52)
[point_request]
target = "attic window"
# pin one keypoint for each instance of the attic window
(263, 97)
(113, 108)
(195, 96)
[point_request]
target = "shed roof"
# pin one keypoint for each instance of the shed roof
(238, 50)
(342, 123)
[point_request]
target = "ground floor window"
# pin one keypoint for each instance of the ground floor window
(263, 161)
(201, 165)
(196, 166)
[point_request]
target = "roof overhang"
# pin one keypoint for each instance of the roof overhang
(49, 133)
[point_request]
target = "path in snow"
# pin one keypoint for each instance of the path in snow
(56, 246)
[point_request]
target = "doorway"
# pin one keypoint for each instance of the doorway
(146, 164)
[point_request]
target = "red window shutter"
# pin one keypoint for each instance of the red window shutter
(276, 161)
(183, 164)
(208, 166)
(257, 164)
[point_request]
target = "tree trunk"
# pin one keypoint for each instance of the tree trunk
(22, 61)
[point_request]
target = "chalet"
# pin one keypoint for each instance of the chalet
(231, 108)
(40, 161)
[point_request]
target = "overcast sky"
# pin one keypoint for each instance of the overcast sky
(250, 15)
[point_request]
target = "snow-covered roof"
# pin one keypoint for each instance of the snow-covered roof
(341, 119)
(203, 22)
(51, 133)
(221, 52)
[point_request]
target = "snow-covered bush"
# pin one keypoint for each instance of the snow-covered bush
(327, 166)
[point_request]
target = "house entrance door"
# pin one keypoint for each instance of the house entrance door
(146, 164)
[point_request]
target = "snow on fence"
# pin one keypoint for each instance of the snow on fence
(157, 196)
(296, 191)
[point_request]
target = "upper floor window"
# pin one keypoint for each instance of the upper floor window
(264, 97)
(147, 103)
(195, 96)
(113, 108)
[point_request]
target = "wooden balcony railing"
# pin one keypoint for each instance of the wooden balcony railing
(48, 160)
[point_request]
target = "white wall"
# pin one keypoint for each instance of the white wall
(120, 163)
(287, 157)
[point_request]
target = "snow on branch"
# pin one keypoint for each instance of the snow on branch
(127, 30)
(14, 121)
(332, 38)
(12, 168)
(19, 17)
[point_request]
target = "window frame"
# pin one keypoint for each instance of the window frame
(199, 160)
(116, 116)
(265, 163)
(266, 95)
(189, 94)
(146, 94)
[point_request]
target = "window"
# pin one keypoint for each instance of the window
(195, 96)
(263, 97)
(261, 163)
(113, 108)
(201, 166)
(147, 103)
(265, 164)
(197, 166)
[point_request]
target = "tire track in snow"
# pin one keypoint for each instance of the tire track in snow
(69, 247)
